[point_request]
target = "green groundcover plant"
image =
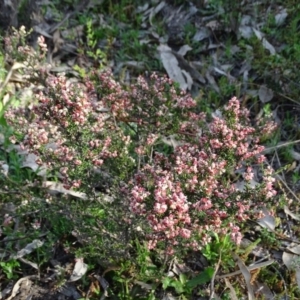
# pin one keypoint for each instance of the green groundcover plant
(174, 178)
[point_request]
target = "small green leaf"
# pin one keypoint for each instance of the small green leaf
(182, 278)
(202, 278)
(178, 286)
(166, 282)
(8, 267)
(1, 108)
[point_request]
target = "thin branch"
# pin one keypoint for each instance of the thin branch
(280, 146)
(212, 282)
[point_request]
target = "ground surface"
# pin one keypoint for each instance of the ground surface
(215, 50)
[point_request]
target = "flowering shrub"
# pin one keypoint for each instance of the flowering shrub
(190, 194)
(69, 134)
(16, 49)
(176, 199)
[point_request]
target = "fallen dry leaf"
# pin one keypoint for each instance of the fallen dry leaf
(154, 11)
(28, 249)
(80, 269)
(247, 276)
(17, 285)
(262, 289)
(291, 214)
(265, 94)
(57, 41)
(281, 16)
(294, 248)
(171, 65)
(264, 41)
(202, 34)
(267, 222)
(291, 261)
(57, 187)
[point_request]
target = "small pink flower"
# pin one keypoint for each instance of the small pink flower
(248, 175)
(8, 220)
(185, 233)
(77, 162)
(140, 150)
(76, 183)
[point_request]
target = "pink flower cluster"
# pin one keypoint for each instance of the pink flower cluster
(189, 194)
(16, 50)
(153, 104)
(169, 217)
(233, 136)
(67, 132)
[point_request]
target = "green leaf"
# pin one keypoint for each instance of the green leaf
(8, 267)
(179, 288)
(166, 282)
(202, 278)
(182, 278)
